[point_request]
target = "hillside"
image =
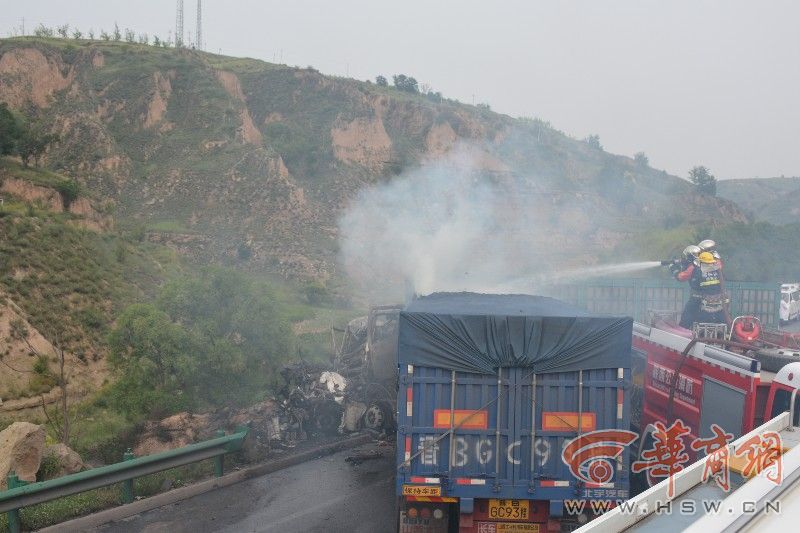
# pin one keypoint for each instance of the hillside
(774, 200)
(64, 275)
(241, 162)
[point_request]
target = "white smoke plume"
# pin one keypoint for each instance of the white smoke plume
(451, 225)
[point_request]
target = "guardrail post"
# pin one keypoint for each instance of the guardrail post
(14, 523)
(219, 460)
(127, 485)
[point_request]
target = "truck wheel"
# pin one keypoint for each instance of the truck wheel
(374, 417)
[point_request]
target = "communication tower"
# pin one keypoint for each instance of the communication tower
(179, 25)
(199, 31)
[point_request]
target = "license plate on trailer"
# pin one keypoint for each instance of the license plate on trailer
(509, 509)
(496, 527)
(421, 490)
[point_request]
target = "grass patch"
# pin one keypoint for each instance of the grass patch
(62, 509)
(102, 434)
(37, 176)
(168, 226)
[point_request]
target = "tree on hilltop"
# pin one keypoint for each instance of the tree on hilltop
(381, 81)
(703, 180)
(43, 31)
(594, 142)
(405, 83)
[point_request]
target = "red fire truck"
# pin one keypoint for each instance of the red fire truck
(694, 380)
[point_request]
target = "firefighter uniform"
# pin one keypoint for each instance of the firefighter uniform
(706, 303)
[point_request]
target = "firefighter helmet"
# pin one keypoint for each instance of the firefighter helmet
(706, 257)
(691, 251)
(707, 245)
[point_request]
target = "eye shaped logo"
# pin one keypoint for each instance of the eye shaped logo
(589, 457)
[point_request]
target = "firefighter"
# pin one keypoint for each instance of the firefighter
(706, 301)
(692, 306)
(709, 246)
(690, 254)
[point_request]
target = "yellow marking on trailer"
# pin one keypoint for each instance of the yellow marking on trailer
(421, 490)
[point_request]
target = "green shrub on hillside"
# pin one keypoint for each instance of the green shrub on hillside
(153, 358)
(69, 191)
(210, 340)
(9, 130)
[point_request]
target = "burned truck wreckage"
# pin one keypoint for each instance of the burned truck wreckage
(357, 392)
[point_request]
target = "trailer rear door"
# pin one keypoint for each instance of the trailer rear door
(520, 457)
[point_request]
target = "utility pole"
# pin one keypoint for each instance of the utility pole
(199, 31)
(23, 26)
(179, 25)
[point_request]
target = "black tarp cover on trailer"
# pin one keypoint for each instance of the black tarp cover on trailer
(480, 332)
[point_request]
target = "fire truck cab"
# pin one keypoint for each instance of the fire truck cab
(783, 384)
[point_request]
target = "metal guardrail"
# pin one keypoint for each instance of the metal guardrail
(21, 494)
(638, 297)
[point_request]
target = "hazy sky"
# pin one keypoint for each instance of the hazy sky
(686, 81)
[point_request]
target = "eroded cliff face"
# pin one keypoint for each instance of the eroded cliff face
(251, 164)
(28, 75)
(247, 132)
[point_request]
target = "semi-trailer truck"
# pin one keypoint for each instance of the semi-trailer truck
(500, 398)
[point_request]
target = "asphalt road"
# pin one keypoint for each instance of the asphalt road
(323, 495)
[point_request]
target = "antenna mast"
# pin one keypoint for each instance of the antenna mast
(199, 31)
(179, 25)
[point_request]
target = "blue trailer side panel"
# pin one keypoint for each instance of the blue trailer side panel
(503, 450)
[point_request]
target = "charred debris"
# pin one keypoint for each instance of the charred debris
(356, 392)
